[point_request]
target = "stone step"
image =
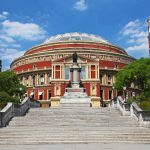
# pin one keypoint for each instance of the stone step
(70, 141)
(73, 125)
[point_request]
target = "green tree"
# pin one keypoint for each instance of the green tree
(10, 83)
(137, 72)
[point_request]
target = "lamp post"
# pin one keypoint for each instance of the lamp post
(148, 22)
(20, 93)
(124, 93)
(113, 88)
(33, 92)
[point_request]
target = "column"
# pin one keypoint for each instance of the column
(86, 68)
(46, 78)
(71, 75)
(63, 72)
(23, 81)
(75, 75)
(30, 81)
(105, 79)
(95, 71)
(79, 74)
(37, 79)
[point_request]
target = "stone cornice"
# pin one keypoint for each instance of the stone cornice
(41, 54)
(75, 42)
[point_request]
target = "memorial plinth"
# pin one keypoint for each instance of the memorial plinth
(75, 95)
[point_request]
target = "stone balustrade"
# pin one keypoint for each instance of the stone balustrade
(11, 110)
(21, 109)
(6, 114)
(123, 107)
(143, 117)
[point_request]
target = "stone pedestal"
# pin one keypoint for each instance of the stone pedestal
(75, 95)
(55, 101)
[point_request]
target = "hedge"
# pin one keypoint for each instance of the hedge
(145, 105)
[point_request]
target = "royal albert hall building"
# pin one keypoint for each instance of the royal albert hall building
(44, 68)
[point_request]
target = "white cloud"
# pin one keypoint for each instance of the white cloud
(139, 47)
(11, 33)
(27, 31)
(80, 5)
(10, 54)
(4, 15)
(6, 38)
(135, 36)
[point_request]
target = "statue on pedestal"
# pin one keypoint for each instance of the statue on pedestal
(75, 57)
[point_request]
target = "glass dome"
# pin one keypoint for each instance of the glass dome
(75, 37)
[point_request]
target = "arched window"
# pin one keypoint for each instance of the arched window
(34, 67)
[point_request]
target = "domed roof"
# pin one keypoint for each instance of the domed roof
(75, 37)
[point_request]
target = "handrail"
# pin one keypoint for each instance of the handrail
(21, 109)
(140, 114)
(11, 110)
(6, 114)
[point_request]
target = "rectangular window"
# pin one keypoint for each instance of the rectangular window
(109, 78)
(42, 79)
(67, 71)
(57, 75)
(83, 72)
(110, 94)
(49, 78)
(49, 94)
(101, 78)
(41, 97)
(40, 94)
(34, 80)
(101, 94)
(92, 71)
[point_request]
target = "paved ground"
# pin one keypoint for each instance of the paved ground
(101, 146)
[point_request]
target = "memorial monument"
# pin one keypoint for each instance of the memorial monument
(75, 91)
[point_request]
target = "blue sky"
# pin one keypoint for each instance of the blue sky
(25, 23)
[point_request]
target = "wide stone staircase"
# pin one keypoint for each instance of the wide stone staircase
(73, 125)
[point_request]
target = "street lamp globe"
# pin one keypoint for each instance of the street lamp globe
(20, 89)
(124, 88)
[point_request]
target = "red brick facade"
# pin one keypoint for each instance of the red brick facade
(43, 68)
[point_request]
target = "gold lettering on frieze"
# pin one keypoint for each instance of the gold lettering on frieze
(54, 57)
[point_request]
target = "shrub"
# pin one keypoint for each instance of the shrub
(5, 98)
(145, 105)
(129, 101)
